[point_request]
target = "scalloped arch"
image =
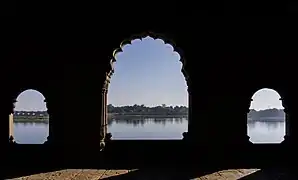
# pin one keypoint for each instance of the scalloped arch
(259, 89)
(154, 36)
(17, 93)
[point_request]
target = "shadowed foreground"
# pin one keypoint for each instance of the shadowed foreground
(170, 173)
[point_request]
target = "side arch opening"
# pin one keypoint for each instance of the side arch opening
(29, 123)
(266, 120)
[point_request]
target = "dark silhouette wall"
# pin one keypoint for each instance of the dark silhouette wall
(225, 63)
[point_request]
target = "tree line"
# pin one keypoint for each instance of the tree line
(144, 110)
(254, 114)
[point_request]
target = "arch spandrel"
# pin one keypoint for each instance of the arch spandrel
(40, 85)
(244, 98)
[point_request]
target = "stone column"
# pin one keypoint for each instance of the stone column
(10, 115)
(103, 122)
(234, 126)
(108, 136)
(11, 125)
(200, 125)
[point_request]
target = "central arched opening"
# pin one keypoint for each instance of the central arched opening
(266, 122)
(147, 96)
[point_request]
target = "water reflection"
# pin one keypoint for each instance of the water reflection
(147, 128)
(271, 126)
(266, 131)
(139, 121)
(31, 132)
(29, 123)
(151, 128)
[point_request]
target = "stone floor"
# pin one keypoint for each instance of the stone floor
(156, 174)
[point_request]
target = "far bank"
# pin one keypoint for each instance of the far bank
(143, 116)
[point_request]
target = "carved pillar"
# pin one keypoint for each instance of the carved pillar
(10, 124)
(11, 132)
(107, 135)
(104, 114)
(102, 120)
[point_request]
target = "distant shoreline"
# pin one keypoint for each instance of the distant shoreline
(146, 116)
(33, 120)
(266, 120)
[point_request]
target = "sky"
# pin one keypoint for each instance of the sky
(30, 100)
(265, 99)
(147, 72)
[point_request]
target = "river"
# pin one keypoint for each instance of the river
(150, 128)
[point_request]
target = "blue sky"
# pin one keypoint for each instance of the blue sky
(148, 72)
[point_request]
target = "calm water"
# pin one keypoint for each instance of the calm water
(31, 133)
(266, 132)
(151, 128)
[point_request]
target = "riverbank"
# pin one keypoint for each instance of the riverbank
(265, 120)
(31, 120)
(127, 116)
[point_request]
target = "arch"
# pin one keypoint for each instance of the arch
(155, 36)
(266, 115)
(31, 114)
(257, 89)
(110, 70)
(17, 92)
